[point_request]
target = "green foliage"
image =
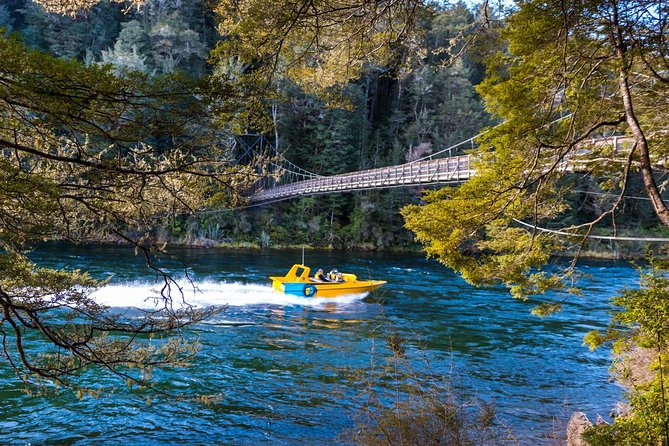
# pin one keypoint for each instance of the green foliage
(6, 19)
(552, 98)
(469, 231)
(56, 330)
(158, 38)
(317, 138)
(97, 140)
(639, 330)
(389, 119)
(315, 45)
(389, 115)
(60, 113)
(81, 38)
(30, 284)
(129, 51)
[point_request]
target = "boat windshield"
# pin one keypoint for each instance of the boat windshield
(299, 271)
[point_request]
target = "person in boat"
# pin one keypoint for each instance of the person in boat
(335, 276)
(320, 276)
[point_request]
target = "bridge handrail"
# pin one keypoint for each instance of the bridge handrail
(298, 170)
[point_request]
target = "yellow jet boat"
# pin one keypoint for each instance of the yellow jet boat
(297, 282)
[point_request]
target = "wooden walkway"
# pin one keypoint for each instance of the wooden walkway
(455, 169)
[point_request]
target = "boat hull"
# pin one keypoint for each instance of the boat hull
(312, 289)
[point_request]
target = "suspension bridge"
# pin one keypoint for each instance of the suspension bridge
(282, 180)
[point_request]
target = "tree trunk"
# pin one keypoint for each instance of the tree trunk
(275, 121)
(653, 191)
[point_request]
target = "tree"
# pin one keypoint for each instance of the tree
(76, 7)
(82, 37)
(129, 51)
(87, 149)
(572, 71)
(76, 159)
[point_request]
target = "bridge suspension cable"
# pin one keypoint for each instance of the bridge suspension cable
(472, 141)
(451, 149)
(287, 166)
(272, 168)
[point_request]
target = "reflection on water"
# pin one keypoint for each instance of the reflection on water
(288, 367)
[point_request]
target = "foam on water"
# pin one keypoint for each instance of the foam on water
(146, 295)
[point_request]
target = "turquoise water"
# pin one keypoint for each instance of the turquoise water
(289, 367)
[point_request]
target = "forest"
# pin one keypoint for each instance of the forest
(389, 116)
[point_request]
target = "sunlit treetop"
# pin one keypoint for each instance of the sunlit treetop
(317, 44)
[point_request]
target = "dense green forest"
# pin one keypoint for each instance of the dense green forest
(387, 116)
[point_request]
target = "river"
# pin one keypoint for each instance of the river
(288, 368)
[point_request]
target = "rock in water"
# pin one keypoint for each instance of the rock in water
(578, 423)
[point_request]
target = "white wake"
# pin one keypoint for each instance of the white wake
(147, 295)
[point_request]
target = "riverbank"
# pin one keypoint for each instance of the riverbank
(592, 250)
(207, 243)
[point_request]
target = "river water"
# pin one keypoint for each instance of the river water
(289, 368)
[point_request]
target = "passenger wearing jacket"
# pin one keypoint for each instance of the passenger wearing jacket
(335, 276)
(320, 276)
